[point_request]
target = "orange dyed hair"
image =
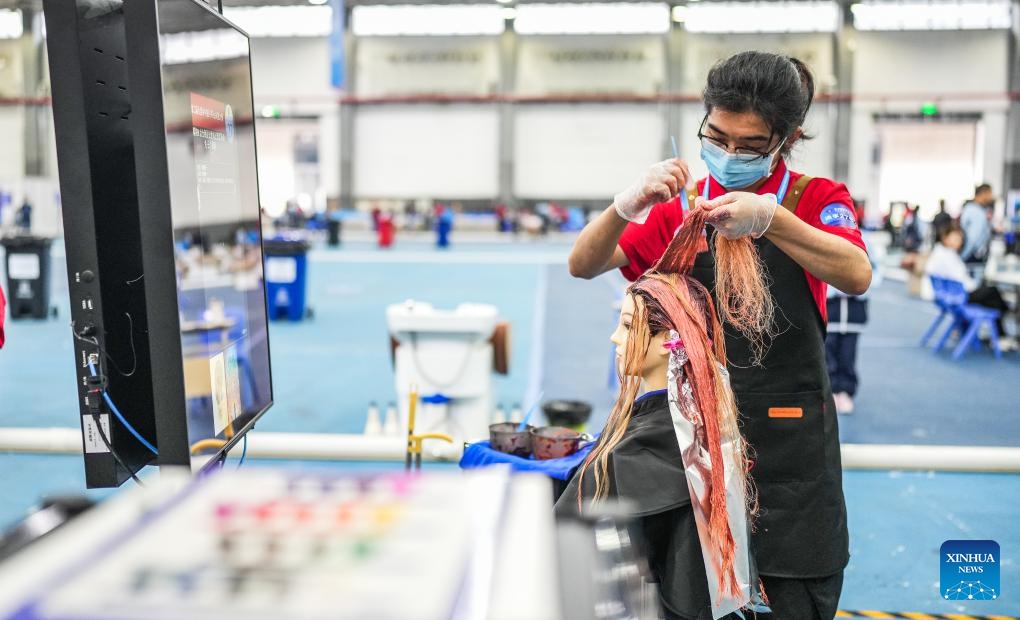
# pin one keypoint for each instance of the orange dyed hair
(741, 286)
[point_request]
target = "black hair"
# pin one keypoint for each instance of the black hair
(984, 187)
(941, 232)
(777, 88)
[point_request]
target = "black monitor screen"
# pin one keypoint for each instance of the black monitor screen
(210, 137)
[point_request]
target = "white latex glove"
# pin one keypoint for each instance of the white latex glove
(739, 214)
(660, 183)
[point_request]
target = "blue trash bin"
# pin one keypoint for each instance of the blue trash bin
(286, 278)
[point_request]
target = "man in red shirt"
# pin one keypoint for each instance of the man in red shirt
(805, 232)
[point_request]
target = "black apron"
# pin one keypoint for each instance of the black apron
(788, 418)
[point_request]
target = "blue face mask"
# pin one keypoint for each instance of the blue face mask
(737, 170)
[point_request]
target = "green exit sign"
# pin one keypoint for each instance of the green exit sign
(929, 109)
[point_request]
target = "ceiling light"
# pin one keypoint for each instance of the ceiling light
(11, 26)
(933, 15)
(427, 19)
(282, 21)
(593, 18)
(737, 17)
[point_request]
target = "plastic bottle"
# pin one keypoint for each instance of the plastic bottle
(373, 426)
(391, 425)
(498, 415)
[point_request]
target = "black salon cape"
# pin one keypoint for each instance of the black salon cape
(646, 468)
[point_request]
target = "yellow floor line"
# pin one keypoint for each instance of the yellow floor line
(916, 615)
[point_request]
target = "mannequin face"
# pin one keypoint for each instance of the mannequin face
(656, 356)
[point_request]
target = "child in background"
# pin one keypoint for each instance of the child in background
(945, 262)
(848, 314)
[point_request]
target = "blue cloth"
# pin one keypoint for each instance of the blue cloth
(481, 454)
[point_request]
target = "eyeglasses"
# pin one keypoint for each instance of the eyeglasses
(751, 154)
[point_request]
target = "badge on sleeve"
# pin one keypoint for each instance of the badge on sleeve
(838, 214)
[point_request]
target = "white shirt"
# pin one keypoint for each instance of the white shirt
(946, 263)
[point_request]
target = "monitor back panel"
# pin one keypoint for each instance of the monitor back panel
(92, 121)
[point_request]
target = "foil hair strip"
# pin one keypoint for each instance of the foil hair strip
(689, 426)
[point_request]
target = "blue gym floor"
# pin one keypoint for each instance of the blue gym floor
(328, 369)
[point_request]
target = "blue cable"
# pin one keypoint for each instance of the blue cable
(116, 412)
(244, 450)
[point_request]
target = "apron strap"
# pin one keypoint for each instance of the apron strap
(792, 197)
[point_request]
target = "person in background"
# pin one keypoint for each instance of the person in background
(946, 262)
(977, 229)
(444, 225)
(911, 231)
(806, 233)
(848, 314)
(23, 217)
(941, 220)
(376, 214)
(502, 223)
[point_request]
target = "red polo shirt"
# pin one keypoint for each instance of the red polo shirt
(825, 204)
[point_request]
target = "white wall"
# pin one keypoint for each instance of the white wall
(584, 151)
(554, 65)
(892, 72)
(416, 151)
(277, 171)
(12, 120)
(12, 73)
(930, 63)
(896, 72)
(388, 66)
(12, 155)
(293, 73)
(701, 51)
(329, 151)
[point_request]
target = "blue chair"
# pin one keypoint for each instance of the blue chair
(944, 309)
(951, 297)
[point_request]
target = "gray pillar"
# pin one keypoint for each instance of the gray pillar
(1011, 174)
(346, 117)
(843, 70)
(674, 85)
(38, 118)
(508, 47)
